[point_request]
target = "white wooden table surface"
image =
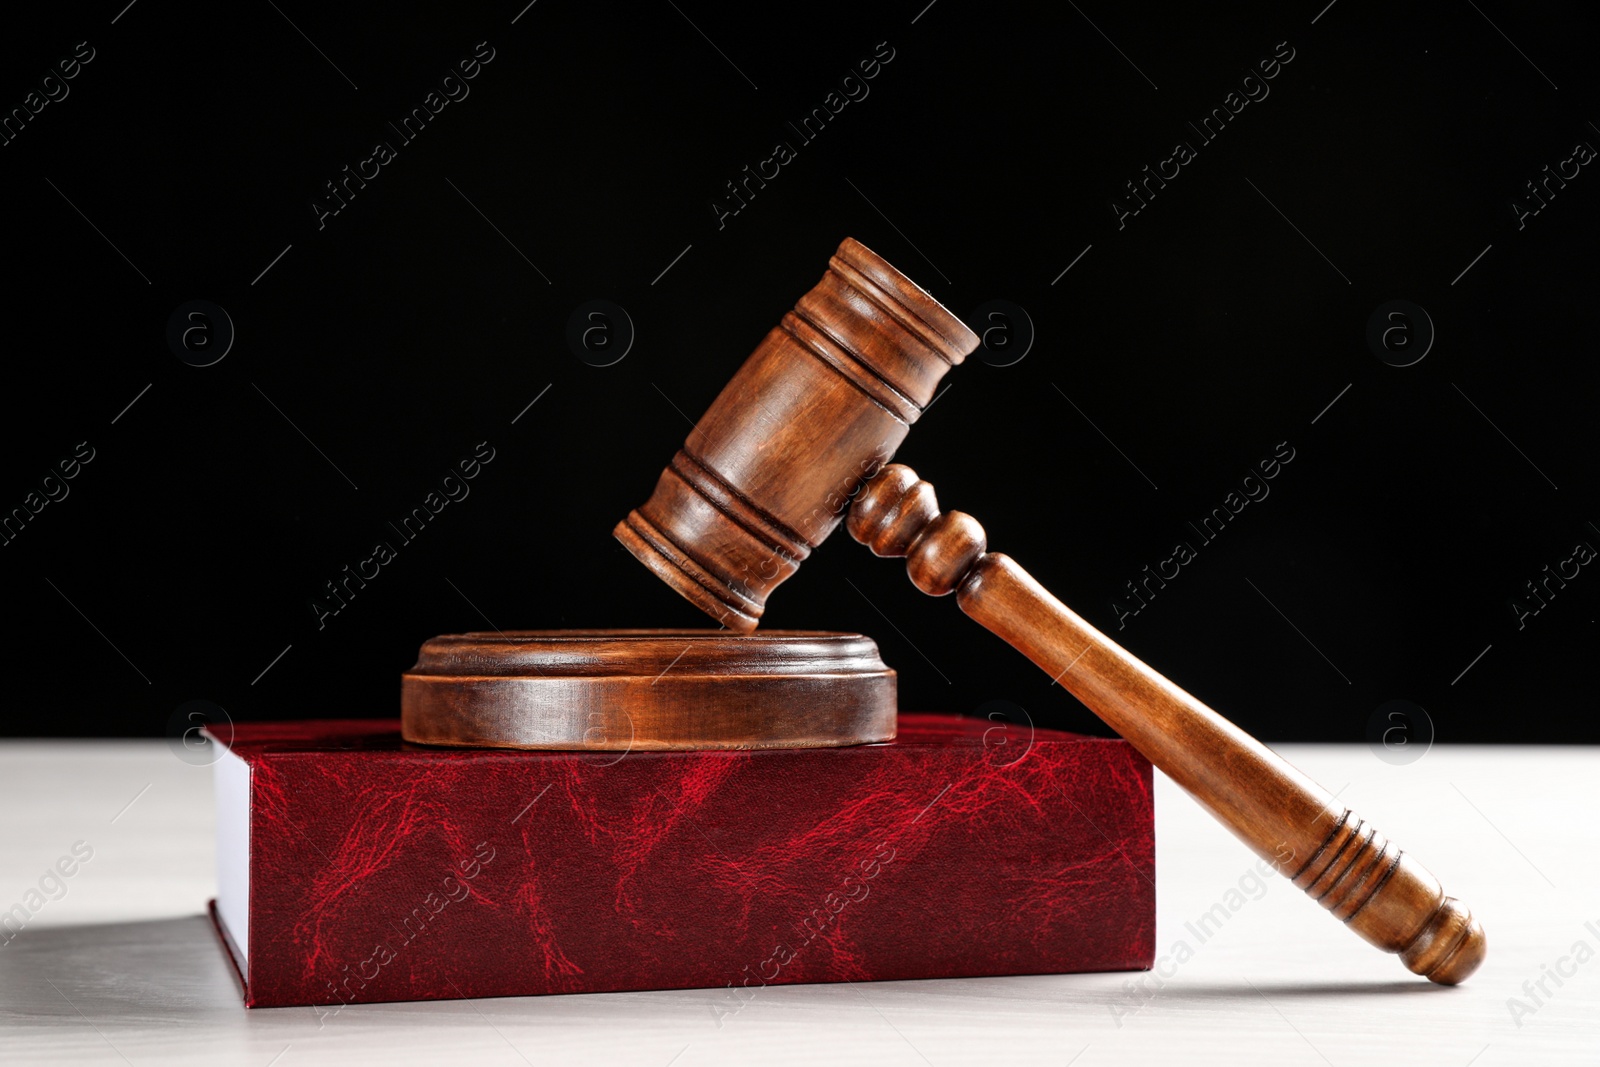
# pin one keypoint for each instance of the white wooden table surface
(123, 968)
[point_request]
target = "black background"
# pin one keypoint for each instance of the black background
(1215, 325)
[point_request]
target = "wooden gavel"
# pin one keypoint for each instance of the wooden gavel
(809, 424)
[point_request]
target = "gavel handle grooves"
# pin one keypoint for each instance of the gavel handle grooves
(1335, 856)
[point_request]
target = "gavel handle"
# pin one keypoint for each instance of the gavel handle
(1340, 860)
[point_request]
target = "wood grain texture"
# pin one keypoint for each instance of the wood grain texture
(1338, 859)
(648, 690)
(815, 411)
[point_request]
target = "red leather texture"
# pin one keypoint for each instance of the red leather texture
(382, 871)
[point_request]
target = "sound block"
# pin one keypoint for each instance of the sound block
(648, 690)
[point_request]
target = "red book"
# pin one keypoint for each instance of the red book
(353, 867)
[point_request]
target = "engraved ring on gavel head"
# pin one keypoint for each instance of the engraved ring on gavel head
(818, 408)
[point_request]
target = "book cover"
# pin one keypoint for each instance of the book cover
(353, 867)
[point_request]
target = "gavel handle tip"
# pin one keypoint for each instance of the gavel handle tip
(1450, 947)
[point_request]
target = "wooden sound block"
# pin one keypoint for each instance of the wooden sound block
(648, 690)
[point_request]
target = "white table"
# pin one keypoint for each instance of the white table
(124, 968)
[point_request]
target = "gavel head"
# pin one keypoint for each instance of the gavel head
(818, 408)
